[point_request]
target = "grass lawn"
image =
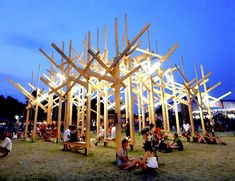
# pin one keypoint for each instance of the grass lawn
(46, 161)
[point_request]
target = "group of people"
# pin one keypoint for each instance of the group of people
(73, 134)
(205, 138)
(153, 141)
(148, 161)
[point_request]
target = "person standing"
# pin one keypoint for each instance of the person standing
(6, 145)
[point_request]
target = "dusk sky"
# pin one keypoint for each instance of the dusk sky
(204, 29)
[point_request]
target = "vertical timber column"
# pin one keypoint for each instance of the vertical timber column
(69, 84)
(127, 105)
(35, 121)
(59, 119)
(105, 110)
(88, 107)
(50, 101)
(167, 118)
(98, 112)
(190, 110)
(78, 107)
(116, 72)
(131, 114)
(105, 98)
(201, 111)
(98, 96)
(206, 92)
(142, 105)
(160, 74)
(27, 116)
(129, 85)
(83, 109)
(26, 124)
(175, 103)
(36, 107)
(139, 107)
(151, 93)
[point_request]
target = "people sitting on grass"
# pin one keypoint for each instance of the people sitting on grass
(146, 162)
(197, 137)
(149, 160)
(212, 139)
(186, 131)
(148, 130)
(6, 145)
(101, 134)
(164, 146)
(217, 139)
(123, 160)
(154, 140)
(177, 144)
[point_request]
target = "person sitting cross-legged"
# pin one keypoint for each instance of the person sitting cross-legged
(177, 143)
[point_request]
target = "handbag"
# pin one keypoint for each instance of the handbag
(152, 162)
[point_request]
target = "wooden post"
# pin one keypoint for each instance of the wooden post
(190, 110)
(129, 87)
(206, 95)
(116, 71)
(105, 110)
(175, 103)
(69, 108)
(88, 107)
(139, 107)
(59, 119)
(83, 109)
(98, 112)
(36, 107)
(142, 105)
(50, 102)
(26, 124)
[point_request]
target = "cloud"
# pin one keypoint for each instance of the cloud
(22, 40)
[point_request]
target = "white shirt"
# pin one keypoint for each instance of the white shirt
(7, 144)
(113, 132)
(67, 135)
(186, 127)
(101, 133)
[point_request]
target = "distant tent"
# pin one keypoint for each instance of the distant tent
(229, 105)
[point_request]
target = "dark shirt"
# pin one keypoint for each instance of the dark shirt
(180, 144)
(73, 136)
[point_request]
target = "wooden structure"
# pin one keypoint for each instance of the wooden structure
(137, 71)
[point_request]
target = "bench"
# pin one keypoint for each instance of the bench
(110, 140)
(79, 145)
